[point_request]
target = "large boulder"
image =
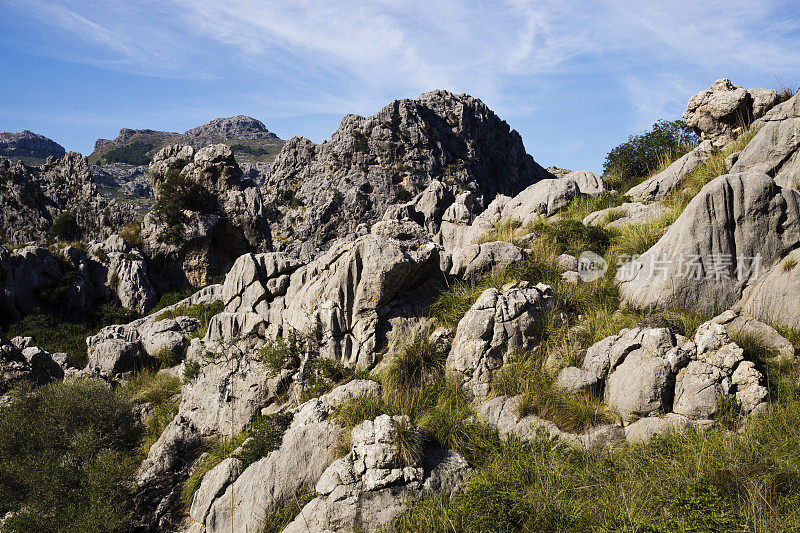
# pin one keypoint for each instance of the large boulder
(627, 214)
(737, 226)
(720, 112)
(476, 260)
(346, 298)
(499, 325)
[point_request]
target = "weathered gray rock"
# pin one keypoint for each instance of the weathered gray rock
(113, 356)
(646, 428)
(307, 448)
(368, 487)
(321, 192)
(122, 271)
(574, 380)
(499, 325)
(627, 214)
(658, 187)
(349, 294)
(228, 218)
(477, 260)
(736, 227)
(719, 113)
(739, 324)
(774, 149)
(213, 486)
(29, 147)
(775, 297)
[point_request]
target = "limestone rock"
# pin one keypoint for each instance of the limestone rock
(497, 326)
(574, 380)
(658, 187)
(737, 226)
(775, 297)
(476, 260)
(213, 486)
(113, 356)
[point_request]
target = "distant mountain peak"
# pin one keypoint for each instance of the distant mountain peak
(238, 127)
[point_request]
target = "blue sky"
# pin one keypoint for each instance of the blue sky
(574, 78)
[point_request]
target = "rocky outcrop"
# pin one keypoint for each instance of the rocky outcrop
(21, 361)
(220, 218)
(658, 187)
(321, 192)
(29, 147)
(775, 297)
(774, 149)
(498, 326)
(347, 299)
(724, 110)
(736, 228)
(307, 448)
(542, 199)
(369, 487)
(122, 271)
(476, 260)
(651, 372)
(32, 197)
(238, 127)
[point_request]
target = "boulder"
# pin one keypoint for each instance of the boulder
(113, 356)
(736, 227)
(658, 187)
(719, 113)
(499, 325)
(627, 214)
(574, 380)
(213, 486)
(347, 296)
(476, 260)
(740, 324)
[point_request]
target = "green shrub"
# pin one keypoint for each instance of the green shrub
(65, 462)
(641, 154)
(132, 234)
(135, 153)
(151, 386)
(65, 227)
(280, 354)
(573, 237)
(176, 194)
(191, 370)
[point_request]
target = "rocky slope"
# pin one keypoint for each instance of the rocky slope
(389, 304)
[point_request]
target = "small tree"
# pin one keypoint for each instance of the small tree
(641, 154)
(64, 227)
(176, 194)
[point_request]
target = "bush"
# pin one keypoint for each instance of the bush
(641, 154)
(203, 312)
(65, 458)
(572, 237)
(176, 194)
(132, 234)
(65, 227)
(280, 354)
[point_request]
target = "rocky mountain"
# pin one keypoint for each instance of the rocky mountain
(413, 326)
(29, 147)
(319, 192)
(238, 127)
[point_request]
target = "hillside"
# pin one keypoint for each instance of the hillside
(412, 326)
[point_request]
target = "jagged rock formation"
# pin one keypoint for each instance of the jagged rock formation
(31, 197)
(238, 127)
(460, 228)
(72, 281)
(736, 227)
(724, 110)
(321, 192)
(29, 147)
(221, 218)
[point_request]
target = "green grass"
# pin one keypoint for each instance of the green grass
(262, 436)
(715, 165)
(582, 206)
(151, 386)
(202, 312)
(282, 515)
(504, 230)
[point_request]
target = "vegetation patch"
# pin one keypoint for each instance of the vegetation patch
(203, 312)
